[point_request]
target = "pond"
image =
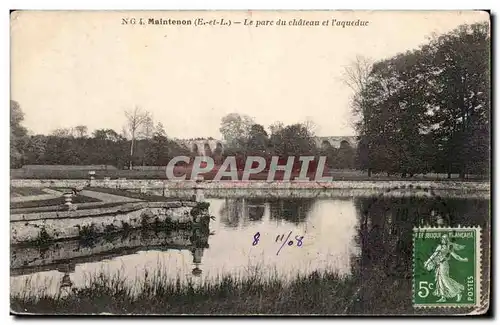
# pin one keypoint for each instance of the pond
(368, 238)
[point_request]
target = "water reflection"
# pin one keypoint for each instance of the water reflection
(386, 224)
(256, 211)
(291, 210)
(199, 242)
(385, 239)
(366, 238)
(58, 268)
(197, 256)
(66, 284)
(240, 211)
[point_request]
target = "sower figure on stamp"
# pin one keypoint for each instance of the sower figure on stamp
(446, 287)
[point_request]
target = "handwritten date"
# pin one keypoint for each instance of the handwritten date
(279, 239)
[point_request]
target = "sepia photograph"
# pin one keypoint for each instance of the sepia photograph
(250, 162)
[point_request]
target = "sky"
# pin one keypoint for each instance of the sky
(87, 68)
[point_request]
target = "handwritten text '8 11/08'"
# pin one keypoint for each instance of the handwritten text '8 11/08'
(279, 238)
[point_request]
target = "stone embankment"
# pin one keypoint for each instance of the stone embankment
(172, 185)
(42, 227)
(27, 259)
(188, 189)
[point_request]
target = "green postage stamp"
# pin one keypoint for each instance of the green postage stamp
(446, 267)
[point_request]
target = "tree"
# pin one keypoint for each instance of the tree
(160, 130)
(292, 140)
(276, 127)
(105, 146)
(81, 131)
(63, 133)
(107, 134)
(311, 126)
(136, 119)
(356, 76)
(18, 134)
(461, 61)
(345, 156)
(157, 151)
(394, 101)
(357, 73)
(258, 140)
(235, 129)
(16, 118)
(147, 129)
(428, 109)
(35, 148)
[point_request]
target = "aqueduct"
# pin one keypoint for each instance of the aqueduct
(207, 146)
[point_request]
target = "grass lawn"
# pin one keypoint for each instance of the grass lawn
(317, 293)
(321, 293)
(338, 175)
(51, 202)
(132, 195)
(25, 191)
(57, 204)
(55, 208)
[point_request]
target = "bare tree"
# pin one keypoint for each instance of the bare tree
(276, 127)
(124, 132)
(355, 76)
(311, 126)
(81, 131)
(147, 129)
(136, 119)
(63, 132)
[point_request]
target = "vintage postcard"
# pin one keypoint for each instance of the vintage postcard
(250, 162)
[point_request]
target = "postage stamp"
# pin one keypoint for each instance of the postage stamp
(446, 267)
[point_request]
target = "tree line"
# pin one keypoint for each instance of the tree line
(246, 138)
(141, 143)
(426, 110)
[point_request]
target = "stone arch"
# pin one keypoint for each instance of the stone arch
(207, 149)
(194, 148)
(219, 148)
(325, 145)
(345, 144)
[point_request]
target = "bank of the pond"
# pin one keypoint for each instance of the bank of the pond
(207, 185)
(318, 293)
(44, 227)
(27, 259)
